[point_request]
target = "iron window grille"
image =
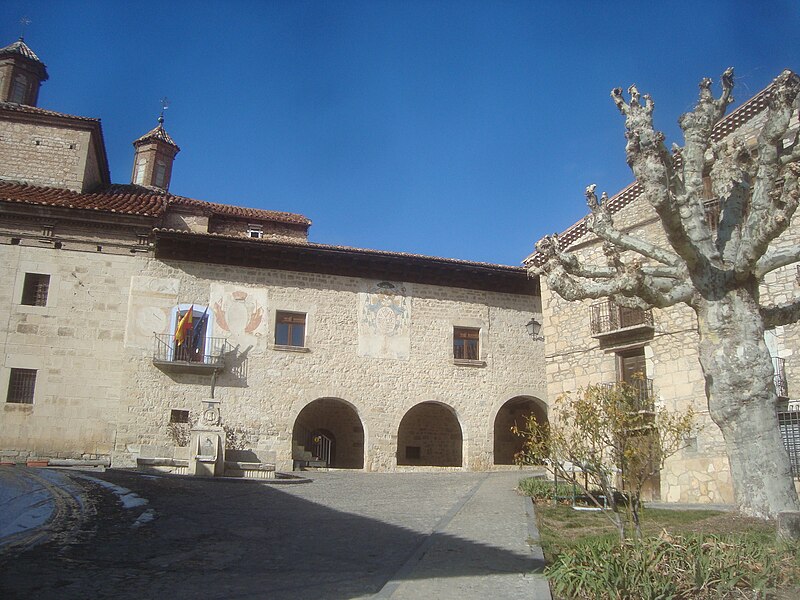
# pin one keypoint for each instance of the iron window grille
(789, 424)
(21, 386)
(35, 289)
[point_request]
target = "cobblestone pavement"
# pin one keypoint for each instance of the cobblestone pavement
(344, 535)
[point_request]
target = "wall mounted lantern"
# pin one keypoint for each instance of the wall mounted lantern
(534, 327)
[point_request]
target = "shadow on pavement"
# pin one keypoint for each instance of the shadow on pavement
(231, 540)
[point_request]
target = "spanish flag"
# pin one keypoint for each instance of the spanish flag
(184, 326)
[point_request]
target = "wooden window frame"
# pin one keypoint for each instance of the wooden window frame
(292, 321)
(467, 344)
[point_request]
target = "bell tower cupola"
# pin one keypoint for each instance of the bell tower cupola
(154, 154)
(21, 74)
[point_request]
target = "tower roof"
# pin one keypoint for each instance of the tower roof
(20, 48)
(157, 133)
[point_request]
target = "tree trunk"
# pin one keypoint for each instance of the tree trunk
(742, 400)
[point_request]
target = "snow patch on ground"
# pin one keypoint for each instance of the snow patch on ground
(144, 518)
(128, 498)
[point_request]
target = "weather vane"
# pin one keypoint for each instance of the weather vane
(164, 106)
(24, 21)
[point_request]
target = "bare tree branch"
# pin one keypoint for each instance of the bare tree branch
(601, 223)
(775, 197)
(632, 282)
(775, 260)
(781, 314)
(548, 246)
(730, 172)
(713, 272)
(673, 197)
(697, 127)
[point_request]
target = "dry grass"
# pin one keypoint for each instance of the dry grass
(562, 527)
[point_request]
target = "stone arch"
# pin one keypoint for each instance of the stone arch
(516, 410)
(329, 431)
(430, 435)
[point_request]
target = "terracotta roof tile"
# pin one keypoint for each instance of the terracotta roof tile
(35, 110)
(134, 200)
(21, 48)
(241, 211)
(109, 200)
(158, 133)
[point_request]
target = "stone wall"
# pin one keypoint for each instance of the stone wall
(270, 230)
(375, 349)
(265, 387)
(75, 345)
(53, 156)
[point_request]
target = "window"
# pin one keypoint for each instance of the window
(255, 231)
(35, 288)
(161, 174)
(178, 416)
(21, 384)
(290, 329)
(140, 169)
(19, 89)
(631, 365)
(466, 343)
(632, 369)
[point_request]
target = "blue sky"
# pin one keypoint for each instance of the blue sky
(461, 129)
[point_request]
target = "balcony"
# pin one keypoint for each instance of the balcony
(608, 318)
(781, 387)
(643, 398)
(209, 357)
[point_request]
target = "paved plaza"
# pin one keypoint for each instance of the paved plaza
(342, 535)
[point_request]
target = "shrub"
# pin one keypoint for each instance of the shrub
(698, 567)
(543, 489)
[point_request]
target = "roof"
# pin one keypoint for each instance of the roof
(309, 257)
(621, 199)
(22, 49)
(157, 133)
(354, 250)
(35, 110)
(133, 200)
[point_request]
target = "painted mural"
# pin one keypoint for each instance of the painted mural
(384, 321)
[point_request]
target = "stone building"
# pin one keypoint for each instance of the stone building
(595, 342)
(315, 353)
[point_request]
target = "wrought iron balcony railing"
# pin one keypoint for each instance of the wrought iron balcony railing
(608, 317)
(781, 387)
(210, 354)
(643, 393)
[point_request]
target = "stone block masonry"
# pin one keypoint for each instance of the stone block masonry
(268, 388)
(98, 393)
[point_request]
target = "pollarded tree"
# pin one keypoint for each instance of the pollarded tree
(716, 273)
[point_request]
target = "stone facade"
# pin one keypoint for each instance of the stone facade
(268, 386)
(99, 394)
(59, 153)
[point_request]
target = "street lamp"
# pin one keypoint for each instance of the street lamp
(534, 327)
